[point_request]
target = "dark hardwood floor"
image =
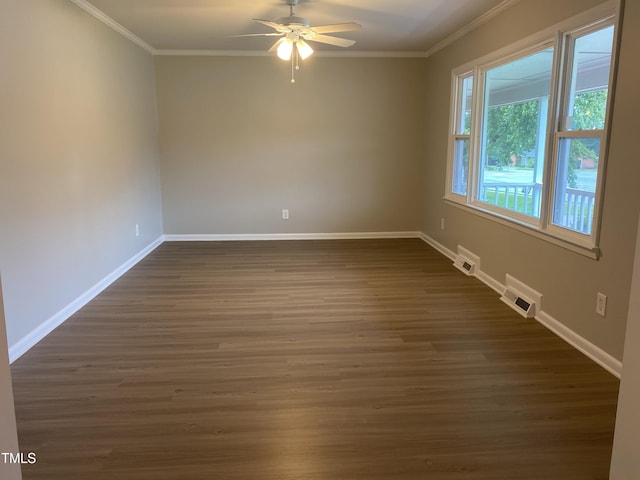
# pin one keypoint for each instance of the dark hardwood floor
(336, 360)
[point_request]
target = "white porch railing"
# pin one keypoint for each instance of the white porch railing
(575, 212)
(519, 197)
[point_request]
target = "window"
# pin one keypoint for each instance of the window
(515, 111)
(462, 136)
(580, 138)
(528, 132)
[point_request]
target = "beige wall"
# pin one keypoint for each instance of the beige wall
(625, 464)
(568, 281)
(8, 436)
(78, 150)
(625, 461)
(341, 149)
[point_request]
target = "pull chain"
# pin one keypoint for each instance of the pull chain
(295, 62)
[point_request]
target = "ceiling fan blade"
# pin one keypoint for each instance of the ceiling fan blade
(268, 23)
(338, 42)
(274, 34)
(337, 27)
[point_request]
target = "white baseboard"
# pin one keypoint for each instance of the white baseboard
(490, 282)
(32, 338)
(25, 343)
(595, 353)
(286, 236)
(438, 246)
(598, 355)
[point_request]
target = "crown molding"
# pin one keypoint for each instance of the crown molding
(482, 19)
(253, 53)
(211, 53)
(101, 16)
(378, 54)
(98, 14)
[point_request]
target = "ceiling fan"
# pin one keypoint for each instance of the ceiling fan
(295, 32)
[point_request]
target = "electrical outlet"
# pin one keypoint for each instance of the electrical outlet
(285, 214)
(137, 229)
(601, 304)
(442, 223)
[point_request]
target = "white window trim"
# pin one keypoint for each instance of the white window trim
(552, 228)
(543, 227)
(480, 80)
(456, 106)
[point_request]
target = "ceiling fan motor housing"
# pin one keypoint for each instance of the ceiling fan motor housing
(293, 20)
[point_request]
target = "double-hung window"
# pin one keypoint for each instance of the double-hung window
(529, 131)
(580, 138)
(462, 134)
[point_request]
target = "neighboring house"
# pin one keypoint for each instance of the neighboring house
(586, 163)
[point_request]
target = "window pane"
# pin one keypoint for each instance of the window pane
(576, 177)
(460, 166)
(587, 99)
(516, 104)
(464, 121)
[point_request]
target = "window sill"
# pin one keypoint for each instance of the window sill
(590, 252)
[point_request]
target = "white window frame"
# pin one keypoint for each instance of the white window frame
(481, 73)
(562, 132)
(456, 111)
(561, 37)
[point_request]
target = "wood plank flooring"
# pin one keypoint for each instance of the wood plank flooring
(337, 360)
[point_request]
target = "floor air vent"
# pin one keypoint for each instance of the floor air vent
(523, 299)
(466, 261)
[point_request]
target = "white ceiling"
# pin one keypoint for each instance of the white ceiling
(388, 26)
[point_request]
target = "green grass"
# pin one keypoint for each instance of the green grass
(513, 202)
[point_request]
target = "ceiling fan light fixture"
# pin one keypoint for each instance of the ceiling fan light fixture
(285, 49)
(294, 30)
(304, 49)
